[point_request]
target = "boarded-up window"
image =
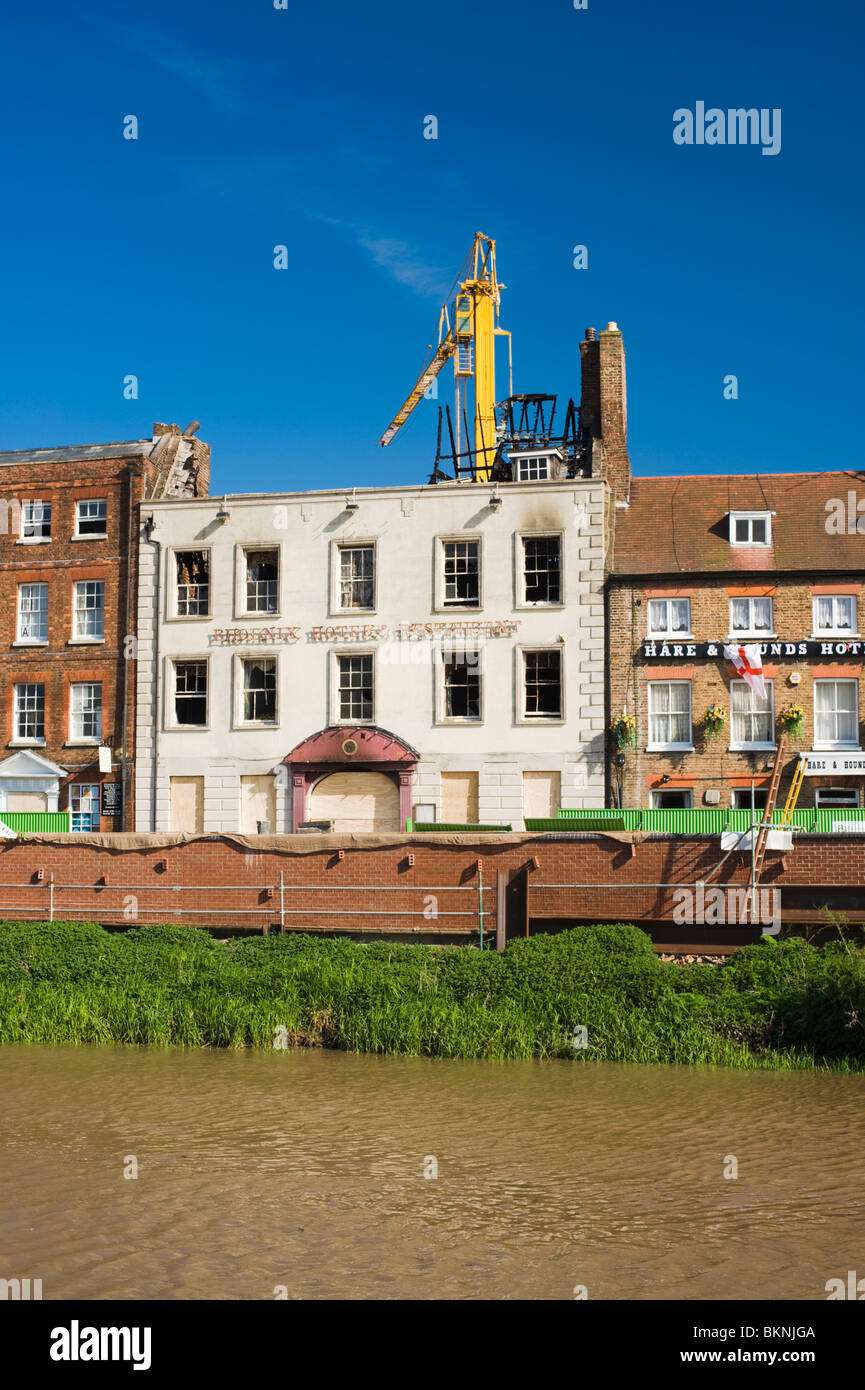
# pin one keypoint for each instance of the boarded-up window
(542, 793)
(257, 804)
(193, 583)
(187, 804)
(460, 797)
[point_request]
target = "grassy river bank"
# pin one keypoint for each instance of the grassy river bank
(787, 1005)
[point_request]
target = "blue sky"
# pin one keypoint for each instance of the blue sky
(304, 127)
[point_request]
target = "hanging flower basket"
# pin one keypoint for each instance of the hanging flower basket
(624, 731)
(714, 722)
(792, 719)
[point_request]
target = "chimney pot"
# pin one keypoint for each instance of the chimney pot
(591, 334)
(612, 328)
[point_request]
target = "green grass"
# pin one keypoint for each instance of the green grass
(787, 1005)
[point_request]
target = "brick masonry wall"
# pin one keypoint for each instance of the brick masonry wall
(59, 564)
(217, 882)
(712, 764)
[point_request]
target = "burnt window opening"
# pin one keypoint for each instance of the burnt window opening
(461, 574)
(259, 691)
(462, 685)
(262, 581)
(543, 684)
(355, 687)
(193, 583)
(356, 576)
(542, 569)
(190, 692)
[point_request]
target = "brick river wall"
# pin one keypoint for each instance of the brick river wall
(412, 885)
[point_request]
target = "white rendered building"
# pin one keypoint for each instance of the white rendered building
(420, 651)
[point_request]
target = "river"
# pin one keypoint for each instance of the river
(302, 1174)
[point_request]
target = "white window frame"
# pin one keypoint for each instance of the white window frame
(653, 747)
(85, 639)
(27, 740)
(737, 747)
(656, 794)
(750, 630)
(343, 653)
(821, 804)
(32, 641)
(525, 462)
(337, 547)
(240, 722)
(27, 507)
(825, 744)
(172, 593)
(240, 596)
(90, 535)
(538, 720)
(520, 540)
(751, 517)
(88, 740)
(440, 605)
(667, 632)
(440, 656)
(170, 685)
(842, 633)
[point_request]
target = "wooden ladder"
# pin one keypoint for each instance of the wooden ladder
(768, 812)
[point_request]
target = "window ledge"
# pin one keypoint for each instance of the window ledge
(26, 743)
(29, 642)
(835, 637)
(836, 748)
(34, 540)
(86, 642)
(751, 637)
(752, 748)
(669, 748)
(83, 743)
(102, 536)
(669, 637)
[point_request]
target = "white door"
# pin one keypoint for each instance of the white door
(26, 801)
(356, 801)
(187, 804)
(460, 798)
(542, 794)
(257, 803)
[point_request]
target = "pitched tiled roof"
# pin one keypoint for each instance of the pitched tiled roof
(680, 525)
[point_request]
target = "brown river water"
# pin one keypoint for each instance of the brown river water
(306, 1170)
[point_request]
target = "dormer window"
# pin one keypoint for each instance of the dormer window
(532, 470)
(751, 528)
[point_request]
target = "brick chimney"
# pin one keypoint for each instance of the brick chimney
(604, 407)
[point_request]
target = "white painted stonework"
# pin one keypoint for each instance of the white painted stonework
(407, 526)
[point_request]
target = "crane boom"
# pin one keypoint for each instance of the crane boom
(470, 341)
(445, 350)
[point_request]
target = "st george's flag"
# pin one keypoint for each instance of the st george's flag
(748, 661)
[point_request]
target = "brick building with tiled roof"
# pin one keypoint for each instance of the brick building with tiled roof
(700, 562)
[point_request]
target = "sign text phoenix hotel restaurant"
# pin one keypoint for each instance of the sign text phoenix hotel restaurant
(342, 632)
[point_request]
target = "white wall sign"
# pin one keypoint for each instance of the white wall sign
(834, 764)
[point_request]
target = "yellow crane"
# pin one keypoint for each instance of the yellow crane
(468, 336)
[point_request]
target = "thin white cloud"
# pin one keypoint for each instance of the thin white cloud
(403, 264)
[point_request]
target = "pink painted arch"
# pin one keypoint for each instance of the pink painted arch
(364, 746)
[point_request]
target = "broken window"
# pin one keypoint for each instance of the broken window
(193, 583)
(355, 687)
(542, 577)
(35, 521)
(190, 692)
(262, 581)
(259, 690)
(462, 685)
(543, 684)
(461, 574)
(356, 577)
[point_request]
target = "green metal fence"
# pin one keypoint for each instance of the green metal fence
(38, 822)
(698, 820)
(454, 827)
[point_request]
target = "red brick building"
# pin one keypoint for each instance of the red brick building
(69, 526)
(700, 562)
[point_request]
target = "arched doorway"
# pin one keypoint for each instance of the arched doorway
(356, 801)
(360, 777)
